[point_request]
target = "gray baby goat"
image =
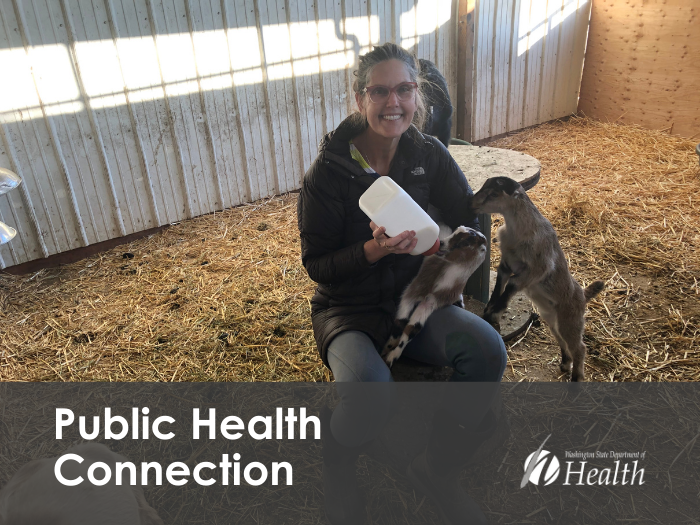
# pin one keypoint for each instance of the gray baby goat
(533, 261)
(439, 283)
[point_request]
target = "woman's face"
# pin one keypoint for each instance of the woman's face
(393, 117)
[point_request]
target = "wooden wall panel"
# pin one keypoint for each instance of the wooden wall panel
(527, 63)
(463, 103)
(122, 116)
(643, 64)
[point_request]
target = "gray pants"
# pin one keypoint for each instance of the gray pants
(451, 337)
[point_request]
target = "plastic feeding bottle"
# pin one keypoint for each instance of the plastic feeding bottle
(388, 205)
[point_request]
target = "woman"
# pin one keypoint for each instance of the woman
(361, 273)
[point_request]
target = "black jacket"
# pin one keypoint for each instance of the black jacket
(351, 293)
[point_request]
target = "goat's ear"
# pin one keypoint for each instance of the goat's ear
(519, 193)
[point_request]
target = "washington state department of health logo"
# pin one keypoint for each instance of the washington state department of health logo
(541, 467)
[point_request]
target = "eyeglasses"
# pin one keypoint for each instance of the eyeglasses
(380, 94)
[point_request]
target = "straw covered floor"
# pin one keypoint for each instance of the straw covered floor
(624, 202)
(224, 297)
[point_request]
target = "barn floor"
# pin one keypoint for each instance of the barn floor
(624, 202)
(225, 298)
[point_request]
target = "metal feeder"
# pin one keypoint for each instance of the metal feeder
(6, 233)
(9, 180)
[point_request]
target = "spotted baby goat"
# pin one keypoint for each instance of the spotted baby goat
(533, 261)
(439, 283)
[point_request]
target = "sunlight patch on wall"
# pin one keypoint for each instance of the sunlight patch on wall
(569, 9)
(53, 79)
(335, 56)
(359, 30)
(536, 20)
(424, 18)
(148, 68)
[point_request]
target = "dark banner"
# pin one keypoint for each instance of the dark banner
(253, 453)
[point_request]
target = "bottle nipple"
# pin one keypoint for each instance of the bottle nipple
(434, 249)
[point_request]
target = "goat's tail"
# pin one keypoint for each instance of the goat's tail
(593, 289)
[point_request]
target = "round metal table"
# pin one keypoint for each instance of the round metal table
(481, 163)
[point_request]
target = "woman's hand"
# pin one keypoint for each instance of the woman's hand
(383, 245)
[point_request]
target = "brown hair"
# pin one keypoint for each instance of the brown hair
(379, 54)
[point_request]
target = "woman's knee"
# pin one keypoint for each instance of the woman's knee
(365, 387)
(353, 357)
(495, 354)
(478, 352)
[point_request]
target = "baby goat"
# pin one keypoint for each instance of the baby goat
(532, 261)
(439, 283)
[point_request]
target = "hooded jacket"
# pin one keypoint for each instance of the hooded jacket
(353, 294)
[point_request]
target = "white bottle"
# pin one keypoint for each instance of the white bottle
(388, 205)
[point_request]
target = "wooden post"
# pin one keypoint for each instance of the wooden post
(465, 65)
(478, 284)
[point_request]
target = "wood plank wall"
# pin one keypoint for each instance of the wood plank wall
(125, 115)
(465, 69)
(527, 63)
(643, 64)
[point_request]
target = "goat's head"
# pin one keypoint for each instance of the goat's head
(464, 243)
(496, 195)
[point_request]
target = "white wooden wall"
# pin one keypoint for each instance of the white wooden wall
(528, 61)
(123, 115)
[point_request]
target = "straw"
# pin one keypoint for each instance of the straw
(624, 202)
(224, 297)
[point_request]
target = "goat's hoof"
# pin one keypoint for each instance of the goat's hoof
(390, 357)
(493, 322)
(565, 367)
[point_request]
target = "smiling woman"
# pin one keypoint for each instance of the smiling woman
(361, 273)
(389, 99)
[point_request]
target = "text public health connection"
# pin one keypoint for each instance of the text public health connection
(178, 473)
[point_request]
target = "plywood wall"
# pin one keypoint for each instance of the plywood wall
(124, 115)
(643, 64)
